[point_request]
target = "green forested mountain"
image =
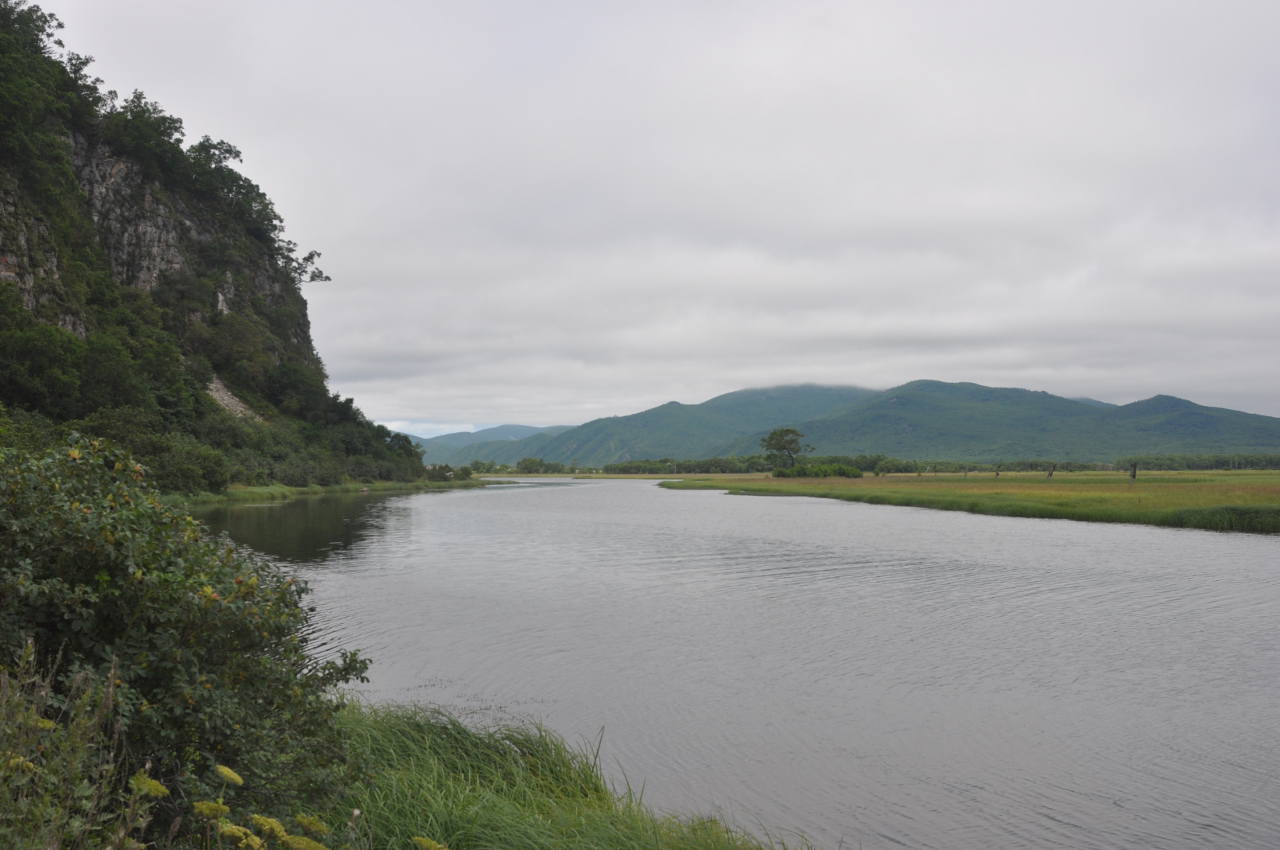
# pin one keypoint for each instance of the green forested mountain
(931, 419)
(920, 420)
(669, 430)
(442, 449)
(148, 294)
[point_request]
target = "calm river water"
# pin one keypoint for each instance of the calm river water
(872, 676)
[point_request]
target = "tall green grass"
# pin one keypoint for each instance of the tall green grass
(518, 788)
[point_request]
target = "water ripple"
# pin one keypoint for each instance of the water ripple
(880, 676)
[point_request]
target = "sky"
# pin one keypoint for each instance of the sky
(543, 213)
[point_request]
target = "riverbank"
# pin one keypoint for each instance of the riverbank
(280, 492)
(1247, 501)
(427, 774)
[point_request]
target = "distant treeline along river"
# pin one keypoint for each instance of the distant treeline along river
(881, 676)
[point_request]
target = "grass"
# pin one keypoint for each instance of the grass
(1246, 501)
(281, 492)
(421, 773)
(518, 788)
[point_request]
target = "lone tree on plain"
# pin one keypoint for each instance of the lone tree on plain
(784, 447)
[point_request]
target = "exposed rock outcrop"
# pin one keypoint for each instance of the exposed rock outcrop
(142, 228)
(228, 401)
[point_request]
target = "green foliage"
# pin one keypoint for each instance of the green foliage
(87, 352)
(783, 446)
(665, 466)
(57, 759)
(205, 645)
(538, 466)
(142, 130)
(35, 93)
(818, 470)
(1218, 461)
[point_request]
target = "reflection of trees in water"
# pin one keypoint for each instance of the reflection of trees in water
(306, 529)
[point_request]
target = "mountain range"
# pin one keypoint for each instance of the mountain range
(917, 420)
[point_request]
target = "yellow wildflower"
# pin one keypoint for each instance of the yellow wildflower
(270, 827)
(146, 786)
(210, 810)
(240, 835)
(312, 825)
(227, 774)
(20, 763)
(427, 843)
(44, 724)
(301, 842)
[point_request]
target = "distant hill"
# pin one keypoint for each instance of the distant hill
(669, 430)
(919, 420)
(446, 448)
(963, 421)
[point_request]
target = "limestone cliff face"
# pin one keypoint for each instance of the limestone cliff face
(145, 236)
(29, 259)
(142, 228)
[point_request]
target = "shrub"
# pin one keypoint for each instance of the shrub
(822, 470)
(205, 645)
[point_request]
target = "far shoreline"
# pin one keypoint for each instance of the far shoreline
(1241, 500)
(247, 493)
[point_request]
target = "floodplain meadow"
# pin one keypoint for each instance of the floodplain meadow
(1236, 500)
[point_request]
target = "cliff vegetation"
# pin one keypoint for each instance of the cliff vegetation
(148, 294)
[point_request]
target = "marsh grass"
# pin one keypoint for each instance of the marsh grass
(427, 774)
(1246, 501)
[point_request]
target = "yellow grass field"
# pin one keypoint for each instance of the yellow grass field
(1218, 500)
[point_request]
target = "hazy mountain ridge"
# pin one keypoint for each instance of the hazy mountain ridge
(917, 420)
(668, 430)
(498, 433)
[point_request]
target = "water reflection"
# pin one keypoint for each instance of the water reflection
(877, 677)
(299, 530)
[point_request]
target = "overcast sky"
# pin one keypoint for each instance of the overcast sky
(547, 212)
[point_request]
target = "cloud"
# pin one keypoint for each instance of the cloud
(545, 213)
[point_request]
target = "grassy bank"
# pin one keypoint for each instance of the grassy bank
(158, 689)
(279, 492)
(1246, 501)
(421, 780)
(429, 775)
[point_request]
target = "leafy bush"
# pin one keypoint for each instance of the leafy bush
(818, 470)
(204, 644)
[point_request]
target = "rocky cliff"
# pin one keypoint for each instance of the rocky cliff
(146, 236)
(146, 289)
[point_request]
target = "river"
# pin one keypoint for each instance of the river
(872, 676)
